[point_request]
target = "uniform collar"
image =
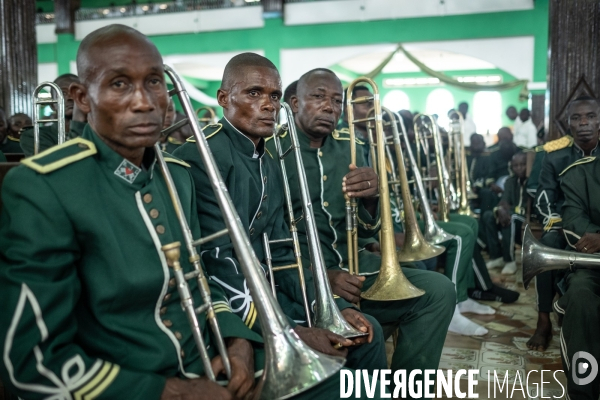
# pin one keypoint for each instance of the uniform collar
(304, 140)
(580, 150)
(242, 143)
(121, 169)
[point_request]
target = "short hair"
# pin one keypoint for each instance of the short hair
(290, 91)
(358, 88)
(474, 135)
(20, 114)
(241, 61)
(307, 75)
(72, 77)
(114, 31)
(583, 97)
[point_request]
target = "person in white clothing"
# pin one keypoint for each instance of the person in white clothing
(524, 131)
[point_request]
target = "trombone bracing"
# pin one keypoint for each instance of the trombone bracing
(391, 284)
(291, 367)
(327, 314)
(60, 113)
(212, 117)
(463, 182)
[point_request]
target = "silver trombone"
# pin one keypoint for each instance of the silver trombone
(327, 314)
(291, 367)
(60, 113)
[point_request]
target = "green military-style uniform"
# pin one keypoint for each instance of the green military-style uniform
(254, 182)
(558, 155)
(497, 167)
(90, 307)
(11, 145)
(2, 157)
(48, 136)
(170, 145)
(431, 313)
(515, 195)
(580, 184)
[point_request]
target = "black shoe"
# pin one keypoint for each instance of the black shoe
(496, 293)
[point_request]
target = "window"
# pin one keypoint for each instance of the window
(396, 100)
(439, 102)
(487, 112)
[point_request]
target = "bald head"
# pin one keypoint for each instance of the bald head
(308, 79)
(114, 37)
(505, 135)
(237, 66)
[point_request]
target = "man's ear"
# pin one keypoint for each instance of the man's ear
(79, 94)
(223, 98)
(294, 103)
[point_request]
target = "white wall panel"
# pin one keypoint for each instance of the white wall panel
(47, 72)
(45, 33)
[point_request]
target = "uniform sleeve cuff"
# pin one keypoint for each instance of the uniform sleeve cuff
(232, 326)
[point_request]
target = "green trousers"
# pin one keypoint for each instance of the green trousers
(459, 252)
(422, 321)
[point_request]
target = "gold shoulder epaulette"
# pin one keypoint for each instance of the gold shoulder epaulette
(539, 148)
(173, 140)
(344, 134)
(59, 156)
(563, 142)
(169, 158)
(583, 160)
(209, 131)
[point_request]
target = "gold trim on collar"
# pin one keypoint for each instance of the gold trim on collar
(583, 160)
(87, 147)
(175, 160)
(219, 126)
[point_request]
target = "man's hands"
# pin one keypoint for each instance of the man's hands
(589, 243)
(194, 389)
(345, 285)
(323, 340)
(360, 182)
(358, 320)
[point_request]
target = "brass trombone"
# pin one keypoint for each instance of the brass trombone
(327, 314)
(391, 283)
(291, 367)
(60, 112)
(537, 258)
(463, 182)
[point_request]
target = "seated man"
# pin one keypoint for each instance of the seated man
(579, 306)
(250, 95)
(11, 143)
(326, 155)
(75, 121)
(89, 305)
(508, 217)
(557, 155)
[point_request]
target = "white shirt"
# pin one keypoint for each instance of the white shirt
(469, 129)
(525, 133)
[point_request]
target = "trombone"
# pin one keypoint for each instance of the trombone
(60, 112)
(537, 258)
(291, 367)
(415, 246)
(327, 314)
(212, 117)
(391, 284)
(463, 183)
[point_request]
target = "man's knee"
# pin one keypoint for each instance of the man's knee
(441, 290)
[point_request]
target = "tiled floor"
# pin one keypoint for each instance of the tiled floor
(503, 348)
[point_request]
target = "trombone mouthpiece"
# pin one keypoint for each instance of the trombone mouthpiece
(172, 252)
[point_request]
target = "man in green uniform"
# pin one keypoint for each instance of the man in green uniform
(508, 216)
(10, 143)
(326, 155)
(580, 347)
(89, 305)
(250, 95)
(75, 121)
(584, 126)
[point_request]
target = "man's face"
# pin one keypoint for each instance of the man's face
(511, 113)
(477, 144)
(524, 115)
(252, 102)
(170, 116)
(584, 122)
(64, 84)
(505, 136)
(463, 108)
(519, 165)
(125, 96)
(361, 110)
(18, 122)
(318, 105)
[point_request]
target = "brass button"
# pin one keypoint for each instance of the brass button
(82, 146)
(326, 204)
(264, 197)
(265, 179)
(167, 323)
(320, 154)
(251, 231)
(163, 310)
(178, 335)
(147, 198)
(182, 353)
(335, 245)
(154, 213)
(172, 282)
(259, 215)
(167, 296)
(330, 223)
(160, 229)
(324, 177)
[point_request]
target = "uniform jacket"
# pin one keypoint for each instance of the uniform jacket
(90, 307)
(48, 136)
(515, 195)
(549, 197)
(580, 184)
(325, 168)
(10, 145)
